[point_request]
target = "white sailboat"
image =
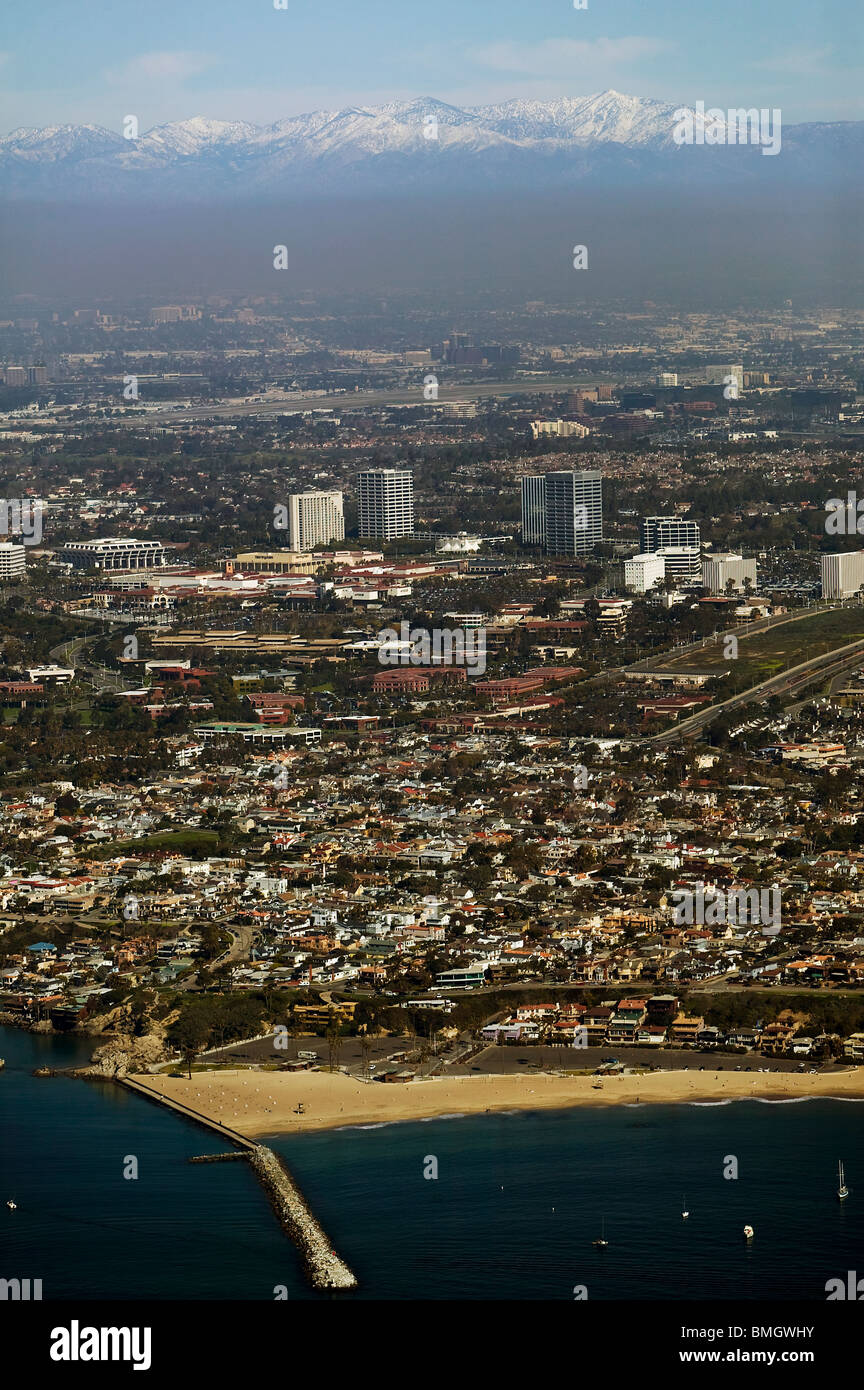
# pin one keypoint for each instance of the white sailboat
(749, 1232)
(13, 1206)
(842, 1190)
(685, 1213)
(601, 1242)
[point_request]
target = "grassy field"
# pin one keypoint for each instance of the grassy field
(193, 842)
(769, 653)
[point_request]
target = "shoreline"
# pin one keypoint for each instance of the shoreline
(255, 1103)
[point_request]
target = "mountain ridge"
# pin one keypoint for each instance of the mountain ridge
(421, 142)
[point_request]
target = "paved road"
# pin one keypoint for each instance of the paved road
(818, 667)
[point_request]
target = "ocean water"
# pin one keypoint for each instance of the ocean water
(516, 1203)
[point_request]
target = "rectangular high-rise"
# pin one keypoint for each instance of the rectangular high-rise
(843, 574)
(534, 509)
(314, 518)
(642, 572)
(656, 532)
(386, 502)
(574, 512)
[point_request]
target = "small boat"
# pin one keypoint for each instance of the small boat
(13, 1206)
(749, 1232)
(601, 1242)
(842, 1190)
(685, 1213)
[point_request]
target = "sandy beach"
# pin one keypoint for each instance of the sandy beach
(257, 1102)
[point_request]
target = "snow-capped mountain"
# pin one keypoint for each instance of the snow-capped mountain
(416, 146)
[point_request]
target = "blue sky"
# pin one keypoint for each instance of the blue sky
(162, 60)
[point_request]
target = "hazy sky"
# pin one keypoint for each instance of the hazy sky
(163, 60)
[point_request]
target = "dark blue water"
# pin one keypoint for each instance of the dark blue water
(517, 1201)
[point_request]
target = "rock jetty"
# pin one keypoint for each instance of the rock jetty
(323, 1266)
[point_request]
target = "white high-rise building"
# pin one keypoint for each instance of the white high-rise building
(386, 502)
(314, 518)
(843, 574)
(718, 570)
(642, 572)
(534, 509)
(574, 512)
(12, 560)
(667, 378)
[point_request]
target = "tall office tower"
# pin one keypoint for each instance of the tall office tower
(843, 574)
(386, 502)
(534, 509)
(314, 518)
(574, 512)
(656, 532)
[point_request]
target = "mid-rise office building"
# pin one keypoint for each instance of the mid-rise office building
(683, 564)
(115, 553)
(720, 376)
(721, 571)
(643, 572)
(386, 502)
(843, 574)
(656, 532)
(314, 518)
(667, 378)
(534, 509)
(574, 512)
(563, 429)
(12, 560)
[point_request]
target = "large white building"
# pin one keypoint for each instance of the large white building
(843, 574)
(642, 572)
(115, 553)
(562, 429)
(718, 570)
(314, 518)
(386, 502)
(12, 561)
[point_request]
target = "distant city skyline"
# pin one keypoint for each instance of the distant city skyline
(75, 63)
